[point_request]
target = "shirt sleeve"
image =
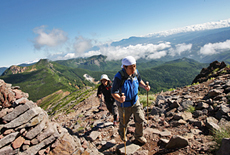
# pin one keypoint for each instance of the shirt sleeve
(99, 90)
(116, 84)
(139, 76)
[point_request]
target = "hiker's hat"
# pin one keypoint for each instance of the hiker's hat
(104, 76)
(127, 61)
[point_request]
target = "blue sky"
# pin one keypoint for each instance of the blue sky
(60, 29)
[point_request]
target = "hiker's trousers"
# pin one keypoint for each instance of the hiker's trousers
(139, 118)
(112, 107)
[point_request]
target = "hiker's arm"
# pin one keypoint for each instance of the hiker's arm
(99, 93)
(143, 85)
(119, 98)
(115, 91)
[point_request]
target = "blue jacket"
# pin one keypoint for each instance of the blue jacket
(129, 88)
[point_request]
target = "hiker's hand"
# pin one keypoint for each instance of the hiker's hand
(147, 87)
(122, 99)
(99, 96)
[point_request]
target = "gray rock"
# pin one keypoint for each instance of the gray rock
(224, 148)
(215, 92)
(224, 109)
(130, 148)
(177, 142)
(186, 104)
(156, 111)
(36, 130)
(93, 135)
(33, 122)
(18, 111)
(24, 118)
(34, 149)
(6, 150)
(186, 115)
(8, 139)
(47, 132)
(202, 105)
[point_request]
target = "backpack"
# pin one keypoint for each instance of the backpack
(123, 78)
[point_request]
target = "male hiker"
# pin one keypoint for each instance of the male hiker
(127, 81)
(105, 89)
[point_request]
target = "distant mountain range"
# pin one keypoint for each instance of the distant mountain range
(196, 38)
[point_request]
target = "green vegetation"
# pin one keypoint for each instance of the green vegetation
(171, 75)
(143, 99)
(219, 135)
(191, 109)
(47, 78)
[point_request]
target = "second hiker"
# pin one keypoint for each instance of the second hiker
(127, 81)
(105, 89)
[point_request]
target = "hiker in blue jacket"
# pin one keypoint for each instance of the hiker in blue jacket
(105, 89)
(127, 81)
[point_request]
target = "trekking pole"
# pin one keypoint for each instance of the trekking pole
(124, 123)
(147, 83)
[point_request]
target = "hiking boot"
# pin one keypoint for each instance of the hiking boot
(141, 140)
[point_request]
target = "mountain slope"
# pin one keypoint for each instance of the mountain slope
(2, 69)
(99, 63)
(172, 74)
(44, 78)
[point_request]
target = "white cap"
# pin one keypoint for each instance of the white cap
(104, 76)
(127, 61)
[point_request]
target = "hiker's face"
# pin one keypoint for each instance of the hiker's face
(104, 82)
(130, 69)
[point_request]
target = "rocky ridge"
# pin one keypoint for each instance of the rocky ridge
(26, 129)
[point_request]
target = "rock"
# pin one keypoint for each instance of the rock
(177, 142)
(8, 139)
(93, 135)
(17, 143)
(130, 148)
(224, 148)
(18, 110)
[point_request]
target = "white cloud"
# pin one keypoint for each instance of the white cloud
(47, 38)
(179, 48)
(157, 55)
(198, 27)
(148, 51)
(209, 49)
(81, 45)
(138, 51)
(69, 56)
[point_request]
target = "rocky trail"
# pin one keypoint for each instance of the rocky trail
(170, 129)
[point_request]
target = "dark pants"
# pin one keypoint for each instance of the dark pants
(113, 109)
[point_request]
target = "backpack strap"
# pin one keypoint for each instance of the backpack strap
(123, 77)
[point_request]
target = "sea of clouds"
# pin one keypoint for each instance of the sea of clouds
(58, 40)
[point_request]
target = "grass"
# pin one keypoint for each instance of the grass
(143, 99)
(191, 109)
(219, 135)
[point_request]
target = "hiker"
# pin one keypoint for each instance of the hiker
(127, 81)
(105, 89)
